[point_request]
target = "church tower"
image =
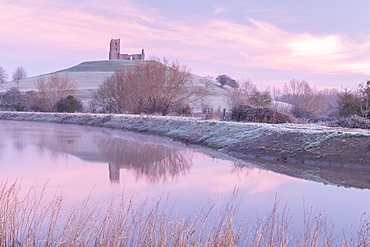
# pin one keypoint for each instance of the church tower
(142, 55)
(114, 51)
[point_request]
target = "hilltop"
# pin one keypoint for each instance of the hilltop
(90, 74)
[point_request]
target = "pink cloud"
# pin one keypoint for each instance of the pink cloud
(84, 29)
(220, 10)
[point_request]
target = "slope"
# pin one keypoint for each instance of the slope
(90, 74)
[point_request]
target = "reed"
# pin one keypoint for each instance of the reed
(33, 219)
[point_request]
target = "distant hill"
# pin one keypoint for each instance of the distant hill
(90, 74)
(102, 66)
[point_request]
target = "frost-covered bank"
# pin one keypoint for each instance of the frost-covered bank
(302, 150)
(211, 133)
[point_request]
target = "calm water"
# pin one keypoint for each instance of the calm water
(79, 160)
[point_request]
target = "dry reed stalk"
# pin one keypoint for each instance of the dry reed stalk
(31, 219)
(273, 230)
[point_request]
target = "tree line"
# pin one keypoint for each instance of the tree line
(304, 101)
(162, 87)
(53, 93)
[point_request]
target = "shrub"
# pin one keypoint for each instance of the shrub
(353, 121)
(13, 100)
(69, 104)
(355, 101)
(247, 94)
(226, 80)
(247, 113)
(53, 88)
(349, 103)
(186, 111)
(33, 101)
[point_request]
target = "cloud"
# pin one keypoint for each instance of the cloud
(220, 10)
(61, 29)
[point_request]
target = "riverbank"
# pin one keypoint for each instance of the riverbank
(310, 151)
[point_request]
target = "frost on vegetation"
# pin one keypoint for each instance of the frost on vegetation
(222, 134)
(314, 140)
(212, 133)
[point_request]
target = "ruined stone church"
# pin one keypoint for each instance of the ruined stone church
(115, 52)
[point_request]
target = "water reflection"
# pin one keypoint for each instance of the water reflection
(153, 162)
(242, 170)
(79, 159)
(148, 157)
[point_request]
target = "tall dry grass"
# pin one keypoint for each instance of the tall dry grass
(33, 219)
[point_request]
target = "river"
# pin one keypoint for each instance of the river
(78, 161)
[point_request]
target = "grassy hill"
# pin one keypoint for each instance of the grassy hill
(90, 74)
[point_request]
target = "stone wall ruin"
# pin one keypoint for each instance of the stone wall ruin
(115, 52)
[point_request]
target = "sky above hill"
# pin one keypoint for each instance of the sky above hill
(326, 43)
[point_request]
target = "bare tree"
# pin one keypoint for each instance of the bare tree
(3, 75)
(243, 94)
(306, 101)
(163, 86)
(275, 92)
(19, 74)
(151, 86)
(207, 81)
(53, 89)
(114, 95)
(331, 97)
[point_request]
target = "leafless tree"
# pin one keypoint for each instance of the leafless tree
(3, 75)
(54, 88)
(151, 86)
(275, 92)
(306, 101)
(114, 94)
(247, 94)
(19, 74)
(331, 97)
(207, 81)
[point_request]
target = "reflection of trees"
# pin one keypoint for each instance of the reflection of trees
(241, 170)
(154, 162)
(58, 142)
(53, 138)
(1, 146)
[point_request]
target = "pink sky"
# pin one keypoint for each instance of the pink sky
(267, 42)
